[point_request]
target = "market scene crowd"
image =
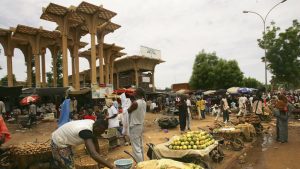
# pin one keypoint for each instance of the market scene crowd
(112, 115)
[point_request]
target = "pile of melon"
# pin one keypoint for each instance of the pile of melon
(196, 140)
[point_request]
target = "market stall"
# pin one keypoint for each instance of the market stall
(191, 147)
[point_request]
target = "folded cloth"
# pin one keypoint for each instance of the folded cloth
(4, 130)
(281, 105)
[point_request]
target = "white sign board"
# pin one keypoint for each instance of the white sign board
(100, 91)
(146, 79)
(149, 52)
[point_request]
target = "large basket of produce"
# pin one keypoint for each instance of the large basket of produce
(27, 154)
(252, 119)
(231, 137)
(85, 162)
(193, 143)
(104, 146)
(79, 150)
(166, 164)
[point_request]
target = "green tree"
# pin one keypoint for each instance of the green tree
(283, 51)
(251, 83)
(210, 72)
(59, 71)
(4, 81)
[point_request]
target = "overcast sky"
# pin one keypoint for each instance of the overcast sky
(180, 29)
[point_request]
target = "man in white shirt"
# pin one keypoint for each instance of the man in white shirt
(113, 121)
(242, 105)
(137, 112)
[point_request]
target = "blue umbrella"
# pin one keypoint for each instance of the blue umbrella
(244, 90)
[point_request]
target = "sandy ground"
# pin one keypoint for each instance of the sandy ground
(282, 154)
(266, 153)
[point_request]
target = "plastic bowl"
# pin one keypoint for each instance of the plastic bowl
(123, 163)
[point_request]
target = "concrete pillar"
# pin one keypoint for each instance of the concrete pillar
(29, 69)
(10, 82)
(107, 70)
(100, 53)
(54, 68)
(65, 59)
(73, 70)
(93, 58)
(37, 70)
(43, 69)
(152, 80)
(111, 71)
(76, 66)
(136, 73)
(118, 82)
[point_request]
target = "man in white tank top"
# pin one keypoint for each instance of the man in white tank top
(75, 133)
(137, 113)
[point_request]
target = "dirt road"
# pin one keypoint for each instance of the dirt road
(269, 154)
(275, 155)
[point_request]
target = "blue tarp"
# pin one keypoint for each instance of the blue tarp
(65, 113)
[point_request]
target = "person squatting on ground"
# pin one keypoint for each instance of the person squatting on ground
(183, 113)
(225, 109)
(137, 113)
(189, 115)
(75, 133)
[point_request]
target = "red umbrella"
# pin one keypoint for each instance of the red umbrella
(26, 100)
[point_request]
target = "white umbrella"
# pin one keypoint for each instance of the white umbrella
(209, 92)
(233, 90)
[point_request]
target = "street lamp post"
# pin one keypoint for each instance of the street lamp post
(264, 19)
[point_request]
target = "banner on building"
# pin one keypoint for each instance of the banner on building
(149, 52)
(102, 90)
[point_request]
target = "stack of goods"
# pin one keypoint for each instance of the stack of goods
(252, 119)
(166, 164)
(192, 140)
(227, 130)
(168, 122)
(80, 150)
(85, 162)
(27, 154)
(248, 131)
(31, 149)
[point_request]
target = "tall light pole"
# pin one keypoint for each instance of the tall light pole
(264, 19)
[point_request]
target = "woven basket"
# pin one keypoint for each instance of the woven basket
(85, 162)
(104, 146)
(79, 150)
